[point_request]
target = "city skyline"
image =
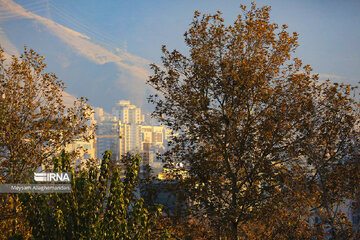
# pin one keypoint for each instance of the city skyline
(126, 130)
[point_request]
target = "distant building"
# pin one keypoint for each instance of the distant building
(127, 114)
(120, 138)
(86, 149)
(154, 135)
(109, 137)
(124, 131)
(132, 133)
(100, 115)
(152, 143)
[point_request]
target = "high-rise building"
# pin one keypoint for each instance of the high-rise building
(109, 137)
(118, 137)
(153, 135)
(127, 114)
(131, 137)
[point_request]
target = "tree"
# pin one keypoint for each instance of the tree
(34, 124)
(332, 157)
(101, 205)
(246, 113)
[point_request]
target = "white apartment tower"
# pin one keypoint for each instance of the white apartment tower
(126, 113)
(131, 138)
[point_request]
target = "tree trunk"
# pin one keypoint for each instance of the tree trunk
(234, 230)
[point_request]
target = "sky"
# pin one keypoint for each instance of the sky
(102, 49)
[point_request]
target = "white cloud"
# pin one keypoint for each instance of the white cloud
(134, 65)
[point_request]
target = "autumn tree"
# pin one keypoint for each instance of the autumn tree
(332, 157)
(246, 114)
(35, 124)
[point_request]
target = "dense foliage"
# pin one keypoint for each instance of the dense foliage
(265, 142)
(101, 205)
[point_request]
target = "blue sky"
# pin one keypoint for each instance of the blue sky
(104, 50)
